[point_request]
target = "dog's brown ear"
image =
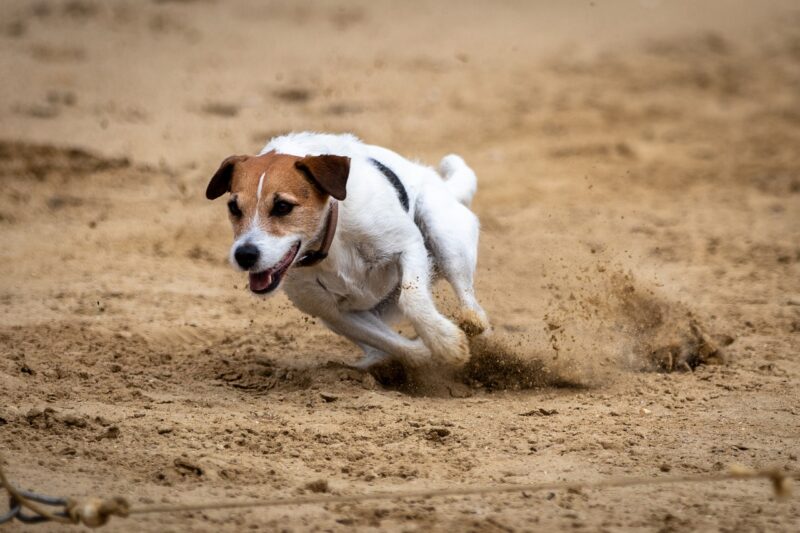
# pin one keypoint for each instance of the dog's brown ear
(221, 181)
(327, 172)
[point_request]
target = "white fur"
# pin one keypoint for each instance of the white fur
(378, 268)
(271, 248)
(260, 187)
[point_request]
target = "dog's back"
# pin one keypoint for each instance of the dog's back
(460, 180)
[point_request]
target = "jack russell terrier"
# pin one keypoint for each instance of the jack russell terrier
(356, 235)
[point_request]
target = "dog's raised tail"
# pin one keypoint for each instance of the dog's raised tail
(459, 178)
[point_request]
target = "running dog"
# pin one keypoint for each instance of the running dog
(355, 235)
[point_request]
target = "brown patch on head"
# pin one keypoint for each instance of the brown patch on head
(328, 172)
(288, 202)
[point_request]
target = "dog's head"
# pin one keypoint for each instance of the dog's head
(277, 206)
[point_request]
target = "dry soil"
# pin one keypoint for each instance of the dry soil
(639, 167)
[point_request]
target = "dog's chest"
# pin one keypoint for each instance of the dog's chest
(361, 280)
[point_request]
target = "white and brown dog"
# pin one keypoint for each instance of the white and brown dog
(355, 233)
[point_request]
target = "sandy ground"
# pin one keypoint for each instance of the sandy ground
(639, 168)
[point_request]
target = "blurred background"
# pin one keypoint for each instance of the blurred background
(187, 81)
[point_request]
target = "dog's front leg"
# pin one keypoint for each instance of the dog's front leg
(372, 356)
(445, 340)
(368, 331)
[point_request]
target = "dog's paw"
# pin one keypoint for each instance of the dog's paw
(472, 323)
(419, 356)
(461, 354)
(452, 348)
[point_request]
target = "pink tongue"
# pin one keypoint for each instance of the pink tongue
(260, 281)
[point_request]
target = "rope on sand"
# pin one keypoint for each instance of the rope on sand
(95, 512)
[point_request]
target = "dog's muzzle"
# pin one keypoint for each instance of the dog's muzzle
(268, 280)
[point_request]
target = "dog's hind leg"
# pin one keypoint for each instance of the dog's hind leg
(446, 342)
(451, 234)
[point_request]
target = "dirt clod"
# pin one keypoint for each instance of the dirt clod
(437, 434)
(318, 486)
(328, 397)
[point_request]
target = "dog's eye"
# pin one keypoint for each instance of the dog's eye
(233, 207)
(281, 208)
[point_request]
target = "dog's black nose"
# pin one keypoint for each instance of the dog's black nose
(246, 255)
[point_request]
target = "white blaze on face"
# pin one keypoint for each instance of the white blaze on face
(271, 249)
(260, 187)
(255, 221)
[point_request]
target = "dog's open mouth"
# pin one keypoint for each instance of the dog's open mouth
(268, 280)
